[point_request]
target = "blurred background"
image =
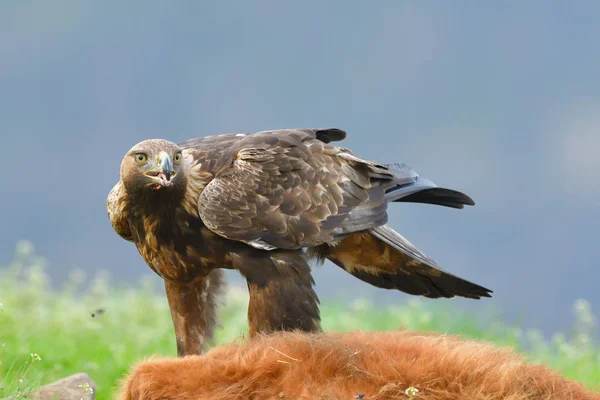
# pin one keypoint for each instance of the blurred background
(499, 100)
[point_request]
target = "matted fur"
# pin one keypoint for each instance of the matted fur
(379, 365)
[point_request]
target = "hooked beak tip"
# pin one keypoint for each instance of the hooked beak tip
(164, 170)
(166, 166)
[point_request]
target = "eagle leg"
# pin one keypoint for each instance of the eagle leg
(282, 297)
(193, 310)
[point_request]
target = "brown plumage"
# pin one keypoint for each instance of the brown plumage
(376, 365)
(263, 204)
(193, 310)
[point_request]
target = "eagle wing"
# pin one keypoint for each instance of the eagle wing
(290, 188)
(115, 205)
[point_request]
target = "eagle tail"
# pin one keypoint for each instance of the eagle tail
(385, 259)
(411, 188)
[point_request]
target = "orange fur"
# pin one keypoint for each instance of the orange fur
(293, 365)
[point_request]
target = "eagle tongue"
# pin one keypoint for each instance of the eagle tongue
(162, 176)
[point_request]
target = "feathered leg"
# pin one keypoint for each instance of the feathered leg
(282, 297)
(193, 310)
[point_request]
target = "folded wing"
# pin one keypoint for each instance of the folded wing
(290, 189)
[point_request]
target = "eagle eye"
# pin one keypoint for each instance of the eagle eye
(177, 157)
(141, 157)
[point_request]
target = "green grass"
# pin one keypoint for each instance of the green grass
(57, 325)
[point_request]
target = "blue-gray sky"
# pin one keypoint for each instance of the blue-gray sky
(498, 99)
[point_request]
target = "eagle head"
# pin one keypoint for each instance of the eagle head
(153, 165)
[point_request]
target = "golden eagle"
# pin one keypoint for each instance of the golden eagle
(267, 203)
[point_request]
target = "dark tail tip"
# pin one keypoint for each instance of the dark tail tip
(439, 196)
(330, 135)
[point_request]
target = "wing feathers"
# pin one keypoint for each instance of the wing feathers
(439, 196)
(396, 240)
(383, 265)
(330, 135)
(115, 205)
(290, 189)
(410, 187)
(357, 173)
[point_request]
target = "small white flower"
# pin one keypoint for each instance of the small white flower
(87, 389)
(35, 357)
(411, 391)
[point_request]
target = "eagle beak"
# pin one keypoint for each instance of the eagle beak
(164, 170)
(165, 166)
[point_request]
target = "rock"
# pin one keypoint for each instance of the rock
(75, 387)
